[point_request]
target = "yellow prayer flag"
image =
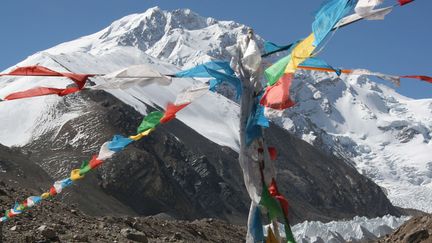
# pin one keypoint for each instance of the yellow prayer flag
(300, 53)
(271, 238)
(141, 135)
(75, 175)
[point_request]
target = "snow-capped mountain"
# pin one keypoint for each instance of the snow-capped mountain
(387, 135)
(180, 37)
(170, 41)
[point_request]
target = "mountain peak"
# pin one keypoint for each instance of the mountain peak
(180, 37)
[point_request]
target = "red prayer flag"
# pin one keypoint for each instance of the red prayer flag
(94, 162)
(273, 153)
(10, 214)
(38, 91)
(421, 77)
(33, 71)
(79, 79)
(282, 200)
(403, 2)
(277, 95)
(170, 112)
(52, 191)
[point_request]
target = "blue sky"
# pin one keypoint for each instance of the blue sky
(398, 45)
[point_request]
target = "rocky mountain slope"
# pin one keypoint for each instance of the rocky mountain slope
(386, 135)
(47, 223)
(418, 230)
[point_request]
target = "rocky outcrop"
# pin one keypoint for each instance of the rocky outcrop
(415, 230)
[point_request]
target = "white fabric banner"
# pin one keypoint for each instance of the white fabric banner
(364, 7)
(141, 75)
(252, 57)
(191, 93)
(377, 14)
(105, 152)
(394, 79)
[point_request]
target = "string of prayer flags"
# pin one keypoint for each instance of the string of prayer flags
(141, 75)
(361, 13)
(107, 150)
(277, 95)
(321, 65)
(365, 9)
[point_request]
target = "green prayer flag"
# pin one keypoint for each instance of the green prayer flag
(288, 234)
(150, 121)
(85, 168)
(275, 71)
(272, 205)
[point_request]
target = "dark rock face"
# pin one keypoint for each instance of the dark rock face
(178, 173)
(16, 168)
(415, 230)
(323, 188)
